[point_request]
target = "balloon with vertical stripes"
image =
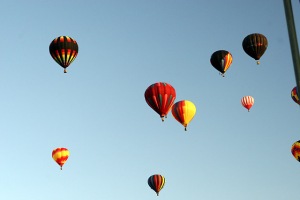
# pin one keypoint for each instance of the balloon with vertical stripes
(221, 61)
(63, 50)
(60, 156)
(255, 45)
(184, 111)
(156, 182)
(160, 97)
(294, 95)
(247, 102)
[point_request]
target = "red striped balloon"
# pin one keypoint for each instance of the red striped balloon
(247, 102)
(160, 97)
(156, 182)
(296, 150)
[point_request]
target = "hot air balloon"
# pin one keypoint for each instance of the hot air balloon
(60, 156)
(64, 50)
(296, 150)
(294, 95)
(247, 102)
(160, 97)
(156, 182)
(255, 45)
(184, 111)
(221, 60)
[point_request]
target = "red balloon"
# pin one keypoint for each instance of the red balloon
(160, 97)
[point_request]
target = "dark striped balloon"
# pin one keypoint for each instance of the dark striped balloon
(255, 45)
(63, 50)
(221, 60)
(156, 182)
(160, 97)
(296, 150)
(294, 95)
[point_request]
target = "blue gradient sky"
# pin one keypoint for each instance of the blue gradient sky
(97, 110)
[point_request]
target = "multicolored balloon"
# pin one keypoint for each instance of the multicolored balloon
(160, 97)
(184, 111)
(294, 95)
(60, 156)
(156, 182)
(221, 60)
(255, 45)
(63, 50)
(296, 150)
(247, 102)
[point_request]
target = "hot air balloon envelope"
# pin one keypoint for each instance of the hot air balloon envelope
(294, 95)
(296, 150)
(247, 102)
(156, 182)
(160, 97)
(221, 60)
(60, 156)
(63, 50)
(255, 45)
(184, 111)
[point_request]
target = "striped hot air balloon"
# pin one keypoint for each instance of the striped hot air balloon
(156, 182)
(221, 61)
(247, 102)
(296, 150)
(184, 111)
(60, 156)
(63, 50)
(294, 95)
(160, 97)
(255, 45)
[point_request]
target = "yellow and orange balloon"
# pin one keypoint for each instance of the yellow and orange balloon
(60, 156)
(184, 111)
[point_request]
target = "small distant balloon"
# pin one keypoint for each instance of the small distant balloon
(247, 102)
(184, 111)
(221, 61)
(64, 50)
(60, 156)
(160, 97)
(156, 182)
(296, 150)
(294, 95)
(255, 45)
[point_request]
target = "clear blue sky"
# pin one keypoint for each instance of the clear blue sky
(97, 110)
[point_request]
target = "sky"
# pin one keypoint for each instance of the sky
(98, 111)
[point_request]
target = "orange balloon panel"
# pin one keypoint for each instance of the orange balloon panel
(60, 155)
